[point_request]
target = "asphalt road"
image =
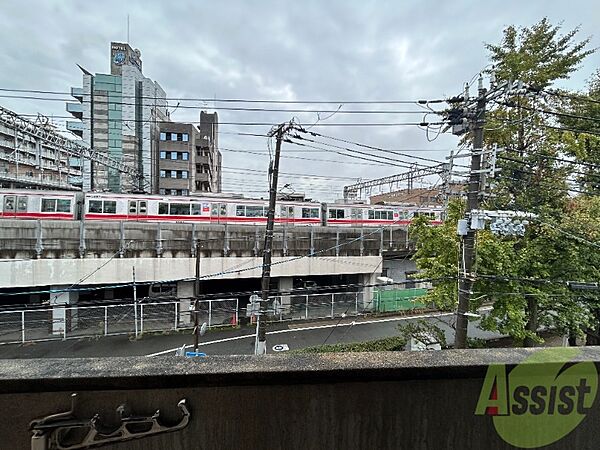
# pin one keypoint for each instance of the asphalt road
(234, 342)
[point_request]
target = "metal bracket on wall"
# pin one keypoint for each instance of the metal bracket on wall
(64, 431)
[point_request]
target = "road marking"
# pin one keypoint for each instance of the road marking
(316, 327)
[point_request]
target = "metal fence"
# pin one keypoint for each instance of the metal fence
(72, 322)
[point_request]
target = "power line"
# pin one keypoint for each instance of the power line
(218, 108)
(394, 161)
(346, 141)
(231, 100)
(272, 124)
(328, 177)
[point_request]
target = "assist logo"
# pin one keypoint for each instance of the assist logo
(541, 400)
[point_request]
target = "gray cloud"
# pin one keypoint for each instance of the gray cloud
(335, 50)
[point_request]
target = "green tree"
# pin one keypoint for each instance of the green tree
(532, 179)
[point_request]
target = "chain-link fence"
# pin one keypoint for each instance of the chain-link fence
(71, 322)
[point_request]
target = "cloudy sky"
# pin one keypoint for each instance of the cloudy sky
(338, 51)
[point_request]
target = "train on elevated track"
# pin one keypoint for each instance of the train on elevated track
(67, 205)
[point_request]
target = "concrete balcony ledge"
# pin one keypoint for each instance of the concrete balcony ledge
(40, 375)
(348, 401)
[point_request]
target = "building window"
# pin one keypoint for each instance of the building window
(163, 136)
(174, 136)
(173, 191)
(163, 174)
(163, 155)
(184, 174)
(185, 137)
(162, 192)
(173, 155)
(186, 192)
(173, 174)
(185, 156)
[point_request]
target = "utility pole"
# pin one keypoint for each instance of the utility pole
(135, 308)
(467, 245)
(196, 295)
(261, 325)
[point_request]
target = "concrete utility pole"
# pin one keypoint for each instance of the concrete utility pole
(196, 295)
(261, 326)
(135, 306)
(467, 247)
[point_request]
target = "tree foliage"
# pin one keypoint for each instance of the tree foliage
(522, 276)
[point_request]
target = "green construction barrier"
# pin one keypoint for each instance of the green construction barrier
(399, 299)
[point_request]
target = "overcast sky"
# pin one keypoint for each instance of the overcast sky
(279, 50)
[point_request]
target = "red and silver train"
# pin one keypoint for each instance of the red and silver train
(64, 205)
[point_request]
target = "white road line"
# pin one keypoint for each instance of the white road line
(316, 327)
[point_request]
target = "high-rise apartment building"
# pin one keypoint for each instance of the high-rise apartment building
(119, 115)
(188, 158)
(33, 155)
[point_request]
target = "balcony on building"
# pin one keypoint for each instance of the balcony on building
(77, 92)
(76, 110)
(75, 127)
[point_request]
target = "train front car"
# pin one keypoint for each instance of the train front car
(43, 205)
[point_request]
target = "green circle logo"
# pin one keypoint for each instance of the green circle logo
(541, 400)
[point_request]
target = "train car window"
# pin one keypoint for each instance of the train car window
(214, 209)
(283, 211)
(310, 213)
(196, 208)
(110, 207)
(143, 209)
(21, 203)
(255, 211)
(223, 212)
(371, 214)
(9, 203)
(63, 205)
(132, 207)
(95, 206)
(240, 210)
(48, 205)
(180, 209)
(336, 213)
(163, 208)
(356, 213)
(390, 215)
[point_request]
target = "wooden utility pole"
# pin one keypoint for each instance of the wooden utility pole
(196, 295)
(467, 247)
(261, 326)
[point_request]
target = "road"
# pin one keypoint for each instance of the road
(236, 342)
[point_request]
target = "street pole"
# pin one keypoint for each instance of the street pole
(196, 295)
(467, 245)
(261, 325)
(135, 309)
